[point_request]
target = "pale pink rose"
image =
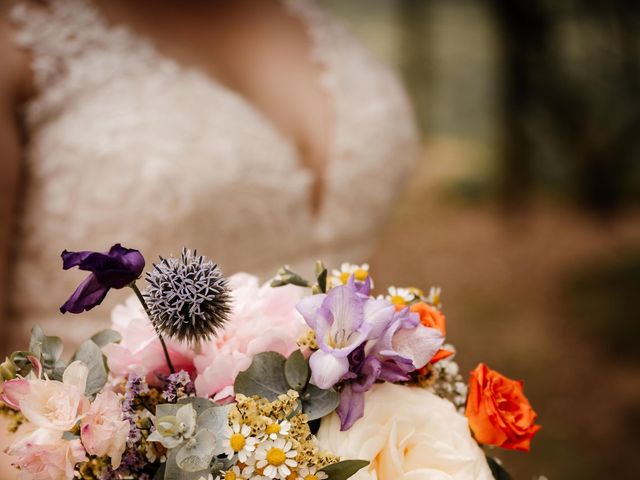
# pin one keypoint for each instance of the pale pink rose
(263, 319)
(103, 431)
(43, 454)
(13, 391)
(140, 350)
(56, 405)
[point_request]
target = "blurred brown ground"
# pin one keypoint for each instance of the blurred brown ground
(505, 280)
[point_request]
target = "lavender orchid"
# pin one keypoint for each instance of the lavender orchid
(117, 268)
(342, 319)
(361, 341)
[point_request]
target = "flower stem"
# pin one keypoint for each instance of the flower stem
(136, 290)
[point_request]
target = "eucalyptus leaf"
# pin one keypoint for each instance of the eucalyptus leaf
(317, 403)
(497, 470)
(106, 337)
(265, 377)
(199, 404)
(90, 354)
(344, 470)
(21, 362)
(47, 349)
(296, 371)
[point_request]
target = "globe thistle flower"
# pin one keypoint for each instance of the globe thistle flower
(187, 297)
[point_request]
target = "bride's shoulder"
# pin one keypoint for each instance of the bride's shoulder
(15, 76)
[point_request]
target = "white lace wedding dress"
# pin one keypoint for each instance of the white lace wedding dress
(128, 146)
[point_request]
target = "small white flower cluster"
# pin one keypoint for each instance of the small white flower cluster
(268, 457)
(449, 383)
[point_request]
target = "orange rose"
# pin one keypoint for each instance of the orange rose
(430, 316)
(498, 412)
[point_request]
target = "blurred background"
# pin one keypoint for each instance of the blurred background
(526, 205)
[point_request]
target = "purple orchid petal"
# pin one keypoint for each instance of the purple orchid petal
(396, 369)
(419, 344)
(350, 408)
(327, 369)
(308, 308)
(378, 314)
(363, 288)
(88, 295)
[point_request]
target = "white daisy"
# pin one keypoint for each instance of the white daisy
(341, 277)
(235, 473)
(278, 429)
(239, 441)
(311, 473)
(434, 297)
(400, 296)
(275, 457)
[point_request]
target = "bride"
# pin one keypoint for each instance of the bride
(257, 131)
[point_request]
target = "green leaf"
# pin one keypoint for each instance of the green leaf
(199, 404)
(90, 354)
(321, 276)
(497, 470)
(47, 349)
(317, 403)
(265, 377)
(296, 371)
(106, 337)
(344, 470)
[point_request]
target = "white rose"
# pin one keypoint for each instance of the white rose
(407, 433)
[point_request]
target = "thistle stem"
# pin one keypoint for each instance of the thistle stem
(136, 290)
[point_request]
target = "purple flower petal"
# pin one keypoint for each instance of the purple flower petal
(327, 369)
(308, 308)
(350, 408)
(89, 294)
(418, 345)
(115, 269)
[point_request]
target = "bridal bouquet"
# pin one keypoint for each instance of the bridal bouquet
(204, 377)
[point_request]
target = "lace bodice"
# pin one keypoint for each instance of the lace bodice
(127, 146)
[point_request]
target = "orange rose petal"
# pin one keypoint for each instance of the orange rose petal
(441, 355)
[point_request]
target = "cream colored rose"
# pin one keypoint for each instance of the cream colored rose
(407, 433)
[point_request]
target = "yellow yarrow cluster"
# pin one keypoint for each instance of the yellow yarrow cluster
(264, 417)
(308, 340)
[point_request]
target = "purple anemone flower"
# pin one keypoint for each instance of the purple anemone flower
(342, 320)
(115, 269)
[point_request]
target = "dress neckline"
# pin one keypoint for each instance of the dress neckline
(294, 8)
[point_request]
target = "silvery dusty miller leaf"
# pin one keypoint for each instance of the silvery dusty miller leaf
(265, 377)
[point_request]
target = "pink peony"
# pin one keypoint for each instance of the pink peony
(52, 404)
(103, 431)
(140, 350)
(263, 319)
(44, 455)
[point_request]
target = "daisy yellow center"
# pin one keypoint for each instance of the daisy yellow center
(273, 428)
(237, 442)
(230, 476)
(344, 277)
(361, 274)
(276, 456)
(398, 300)
(310, 477)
